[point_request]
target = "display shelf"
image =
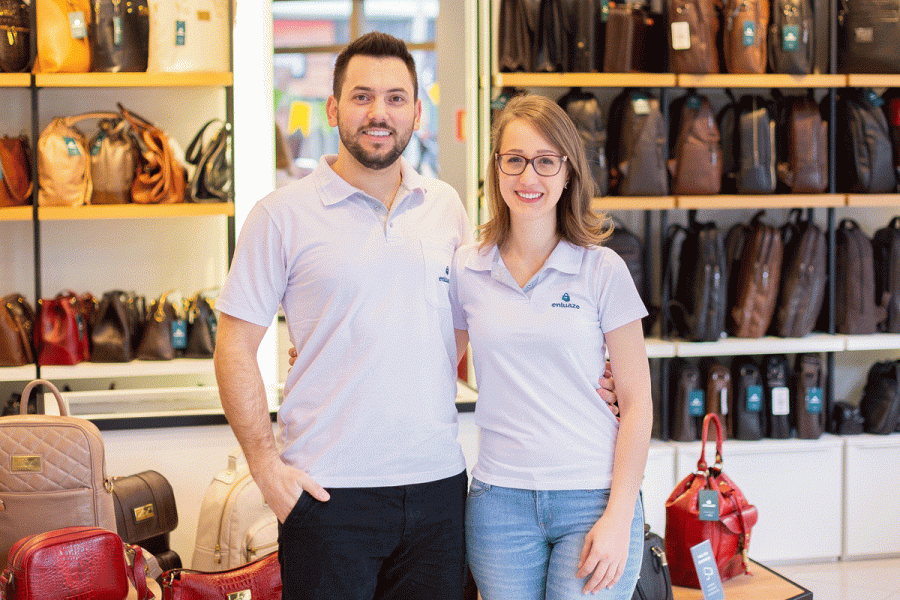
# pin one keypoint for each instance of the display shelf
(15, 80)
(871, 521)
(864, 200)
(738, 201)
(633, 203)
(876, 341)
(16, 213)
(615, 80)
(23, 373)
(765, 345)
(767, 80)
(873, 80)
(135, 368)
(135, 211)
(657, 348)
(100, 80)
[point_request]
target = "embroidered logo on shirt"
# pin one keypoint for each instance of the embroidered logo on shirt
(445, 279)
(565, 302)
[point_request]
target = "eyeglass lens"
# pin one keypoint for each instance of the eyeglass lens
(546, 165)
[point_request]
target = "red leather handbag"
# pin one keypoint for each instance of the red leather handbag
(259, 580)
(60, 333)
(87, 563)
(729, 536)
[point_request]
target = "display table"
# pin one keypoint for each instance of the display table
(763, 584)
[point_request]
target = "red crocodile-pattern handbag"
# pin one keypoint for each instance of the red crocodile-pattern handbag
(259, 580)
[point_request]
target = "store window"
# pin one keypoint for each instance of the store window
(308, 35)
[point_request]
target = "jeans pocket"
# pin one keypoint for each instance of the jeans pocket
(301, 508)
(478, 488)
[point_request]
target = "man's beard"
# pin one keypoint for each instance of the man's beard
(370, 160)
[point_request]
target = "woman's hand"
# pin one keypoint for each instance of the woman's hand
(606, 388)
(605, 553)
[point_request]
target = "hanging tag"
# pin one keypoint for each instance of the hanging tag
(640, 104)
(98, 143)
(79, 320)
(604, 11)
(749, 30)
(117, 31)
(180, 27)
(213, 323)
(77, 25)
(754, 398)
(1, 171)
(790, 37)
(781, 401)
(814, 400)
(681, 35)
(707, 571)
(874, 99)
(723, 401)
(694, 102)
(696, 403)
(71, 146)
(179, 334)
(709, 505)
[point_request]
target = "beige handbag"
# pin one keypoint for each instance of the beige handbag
(52, 474)
(113, 162)
(62, 36)
(64, 162)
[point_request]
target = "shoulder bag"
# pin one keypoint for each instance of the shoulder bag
(654, 581)
(15, 36)
(259, 580)
(190, 35)
(16, 331)
(15, 171)
(728, 534)
(113, 162)
(119, 35)
(63, 44)
(211, 179)
(160, 178)
(60, 331)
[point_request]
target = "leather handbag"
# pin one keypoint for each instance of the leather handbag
(145, 506)
(160, 178)
(728, 532)
(164, 334)
(63, 44)
(803, 277)
(776, 374)
(858, 310)
(805, 167)
(792, 37)
(636, 144)
(53, 474)
(867, 32)
(211, 179)
(865, 157)
(60, 332)
(16, 331)
(747, 407)
(120, 34)
(693, 31)
(551, 47)
(64, 563)
(689, 400)
(259, 580)
(586, 38)
(654, 581)
(755, 276)
(584, 109)
(627, 36)
(201, 325)
(113, 334)
(190, 35)
(886, 254)
(15, 36)
(846, 419)
(15, 171)
(719, 392)
(517, 26)
(113, 162)
(880, 402)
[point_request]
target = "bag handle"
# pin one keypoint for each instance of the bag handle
(195, 148)
(701, 464)
(136, 569)
(63, 409)
(70, 121)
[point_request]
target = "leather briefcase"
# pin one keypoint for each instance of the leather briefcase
(145, 506)
(52, 474)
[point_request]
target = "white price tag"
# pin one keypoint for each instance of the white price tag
(681, 35)
(723, 401)
(781, 401)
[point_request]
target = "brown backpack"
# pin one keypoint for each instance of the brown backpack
(806, 139)
(756, 251)
(744, 36)
(693, 30)
(857, 310)
(637, 139)
(696, 163)
(803, 278)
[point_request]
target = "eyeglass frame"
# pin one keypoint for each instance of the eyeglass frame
(530, 161)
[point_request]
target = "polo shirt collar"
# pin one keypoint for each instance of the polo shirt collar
(565, 258)
(334, 189)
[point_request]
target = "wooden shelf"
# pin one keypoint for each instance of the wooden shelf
(584, 79)
(15, 80)
(873, 199)
(607, 203)
(761, 201)
(98, 80)
(767, 80)
(873, 80)
(15, 213)
(135, 211)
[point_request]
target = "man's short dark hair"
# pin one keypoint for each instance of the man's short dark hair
(375, 44)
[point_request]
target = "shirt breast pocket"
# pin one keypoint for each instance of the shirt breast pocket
(436, 257)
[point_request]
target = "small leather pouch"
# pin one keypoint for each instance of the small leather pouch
(145, 506)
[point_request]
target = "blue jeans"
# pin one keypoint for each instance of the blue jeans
(525, 544)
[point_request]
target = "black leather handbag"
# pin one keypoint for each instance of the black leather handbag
(211, 180)
(654, 582)
(120, 35)
(15, 36)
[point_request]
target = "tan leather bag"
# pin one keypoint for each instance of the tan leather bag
(52, 474)
(159, 178)
(62, 36)
(113, 162)
(15, 171)
(64, 162)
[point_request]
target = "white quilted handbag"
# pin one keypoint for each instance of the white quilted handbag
(52, 474)
(188, 35)
(235, 526)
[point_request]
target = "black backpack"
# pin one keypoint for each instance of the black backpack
(584, 110)
(808, 411)
(804, 277)
(791, 36)
(749, 159)
(776, 374)
(880, 402)
(865, 160)
(747, 416)
(695, 281)
(687, 402)
(886, 247)
(629, 246)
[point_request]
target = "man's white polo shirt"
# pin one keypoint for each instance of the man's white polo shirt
(539, 353)
(371, 399)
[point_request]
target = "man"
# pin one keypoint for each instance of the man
(358, 255)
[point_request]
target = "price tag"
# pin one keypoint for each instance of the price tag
(98, 143)
(781, 401)
(749, 31)
(604, 11)
(708, 505)
(754, 398)
(77, 25)
(1, 171)
(874, 99)
(814, 400)
(640, 103)
(180, 27)
(696, 403)
(179, 334)
(71, 146)
(707, 571)
(723, 401)
(681, 35)
(694, 102)
(790, 38)
(117, 31)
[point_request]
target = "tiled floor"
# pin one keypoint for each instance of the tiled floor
(848, 580)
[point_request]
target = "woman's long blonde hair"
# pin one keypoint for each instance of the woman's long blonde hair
(575, 221)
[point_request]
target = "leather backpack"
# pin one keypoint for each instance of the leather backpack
(695, 281)
(864, 153)
(630, 247)
(584, 110)
(587, 36)
(744, 36)
(518, 23)
(857, 310)
(15, 171)
(880, 402)
(747, 417)
(749, 146)
(696, 163)
(886, 248)
(809, 411)
(627, 38)
(868, 36)
(776, 374)
(551, 46)
(756, 252)
(803, 136)
(804, 277)
(693, 34)
(15, 36)
(791, 37)
(688, 401)
(636, 146)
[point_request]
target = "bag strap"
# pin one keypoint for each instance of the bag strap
(701, 464)
(195, 148)
(70, 121)
(63, 409)
(136, 569)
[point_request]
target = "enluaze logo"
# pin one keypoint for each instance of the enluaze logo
(445, 279)
(565, 302)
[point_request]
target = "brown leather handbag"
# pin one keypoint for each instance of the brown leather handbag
(808, 412)
(145, 506)
(165, 330)
(744, 39)
(120, 35)
(16, 331)
(693, 31)
(112, 337)
(160, 178)
(15, 36)
(15, 171)
(755, 284)
(201, 324)
(113, 162)
(696, 163)
(63, 44)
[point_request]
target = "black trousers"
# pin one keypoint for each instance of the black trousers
(389, 543)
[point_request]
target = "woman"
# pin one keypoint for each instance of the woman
(553, 508)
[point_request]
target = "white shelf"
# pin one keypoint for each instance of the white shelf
(135, 368)
(876, 341)
(764, 345)
(24, 373)
(657, 348)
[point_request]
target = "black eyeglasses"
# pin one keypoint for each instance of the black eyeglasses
(545, 165)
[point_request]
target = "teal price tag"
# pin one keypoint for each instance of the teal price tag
(754, 398)
(71, 146)
(790, 38)
(696, 403)
(749, 30)
(709, 505)
(814, 400)
(179, 33)
(179, 334)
